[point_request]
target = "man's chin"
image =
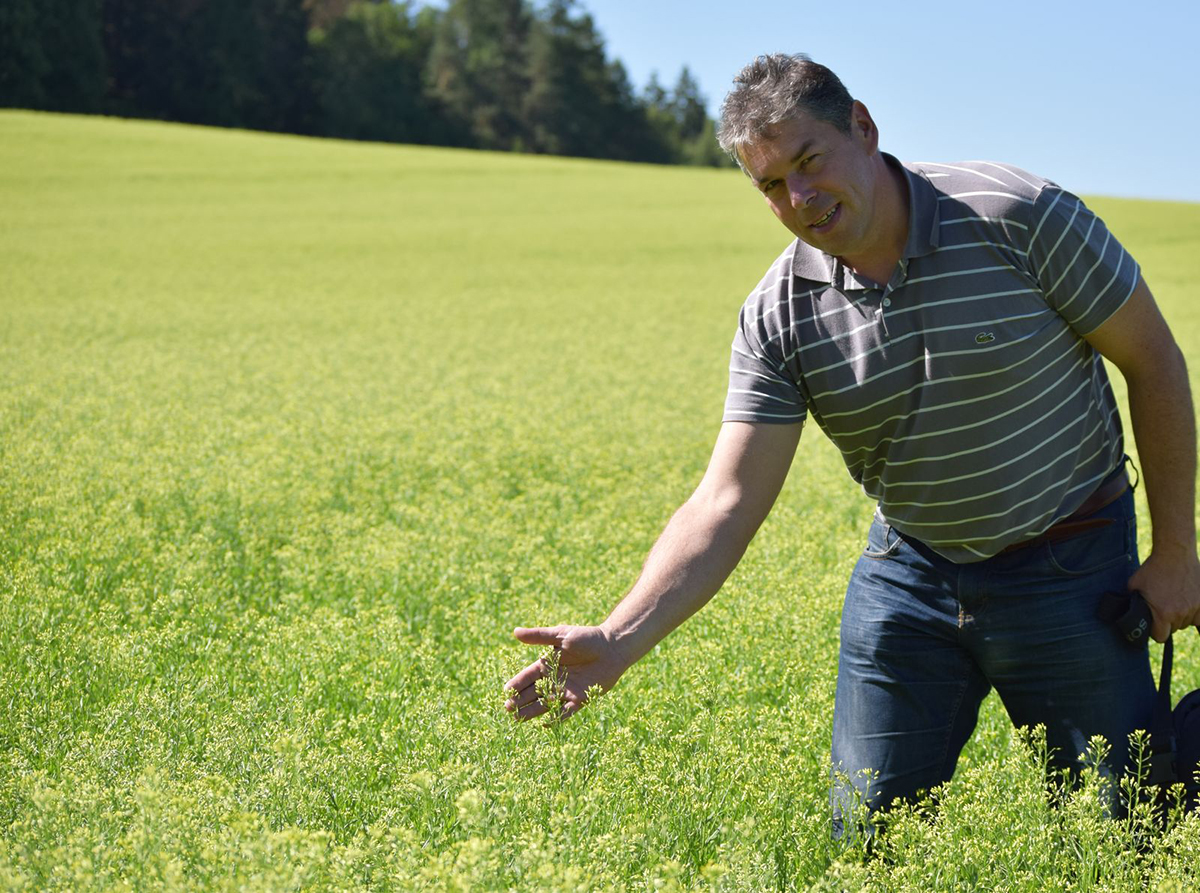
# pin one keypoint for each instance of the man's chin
(808, 237)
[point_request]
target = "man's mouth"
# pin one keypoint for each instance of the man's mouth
(816, 224)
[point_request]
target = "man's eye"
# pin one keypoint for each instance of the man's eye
(808, 160)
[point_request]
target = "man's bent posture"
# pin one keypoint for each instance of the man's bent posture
(944, 325)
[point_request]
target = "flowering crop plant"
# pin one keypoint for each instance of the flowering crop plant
(296, 431)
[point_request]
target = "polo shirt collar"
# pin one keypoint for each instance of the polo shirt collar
(923, 227)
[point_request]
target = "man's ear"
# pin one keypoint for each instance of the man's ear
(862, 127)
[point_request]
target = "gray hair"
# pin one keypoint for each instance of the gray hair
(770, 90)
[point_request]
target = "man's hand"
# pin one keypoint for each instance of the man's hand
(700, 546)
(1170, 583)
(587, 657)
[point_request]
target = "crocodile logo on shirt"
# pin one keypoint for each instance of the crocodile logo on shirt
(984, 338)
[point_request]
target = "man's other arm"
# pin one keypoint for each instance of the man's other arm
(1137, 341)
(698, 549)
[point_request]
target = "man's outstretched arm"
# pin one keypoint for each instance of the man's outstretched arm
(1138, 342)
(700, 547)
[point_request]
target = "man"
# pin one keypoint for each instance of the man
(943, 324)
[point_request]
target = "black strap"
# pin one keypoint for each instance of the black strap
(1162, 727)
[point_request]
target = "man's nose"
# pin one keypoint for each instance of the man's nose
(800, 190)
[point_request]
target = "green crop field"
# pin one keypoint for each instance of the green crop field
(294, 433)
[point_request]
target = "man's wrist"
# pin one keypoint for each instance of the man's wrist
(1177, 544)
(621, 643)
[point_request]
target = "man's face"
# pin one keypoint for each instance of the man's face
(820, 182)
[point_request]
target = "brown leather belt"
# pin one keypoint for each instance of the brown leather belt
(1079, 521)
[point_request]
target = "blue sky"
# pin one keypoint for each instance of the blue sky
(1102, 97)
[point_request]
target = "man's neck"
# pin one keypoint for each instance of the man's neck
(878, 262)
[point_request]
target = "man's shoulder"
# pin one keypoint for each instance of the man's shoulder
(986, 186)
(775, 284)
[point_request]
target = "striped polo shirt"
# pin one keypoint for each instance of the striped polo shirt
(961, 396)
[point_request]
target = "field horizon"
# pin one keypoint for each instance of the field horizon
(296, 430)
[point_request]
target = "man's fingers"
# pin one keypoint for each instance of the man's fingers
(529, 711)
(528, 703)
(521, 699)
(1160, 629)
(539, 635)
(1164, 621)
(569, 708)
(527, 676)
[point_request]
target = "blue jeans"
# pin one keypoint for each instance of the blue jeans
(923, 640)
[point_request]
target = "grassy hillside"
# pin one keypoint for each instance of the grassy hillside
(295, 432)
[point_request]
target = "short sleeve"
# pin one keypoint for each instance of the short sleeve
(1084, 272)
(760, 390)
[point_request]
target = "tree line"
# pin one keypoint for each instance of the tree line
(488, 74)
